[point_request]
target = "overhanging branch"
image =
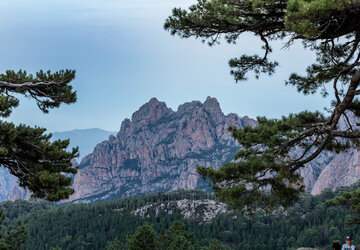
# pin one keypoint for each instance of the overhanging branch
(28, 84)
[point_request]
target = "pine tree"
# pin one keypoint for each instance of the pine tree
(40, 165)
(114, 245)
(178, 237)
(144, 238)
(13, 237)
(266, 171)
(349, 199)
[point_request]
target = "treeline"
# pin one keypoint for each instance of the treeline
(308, 223)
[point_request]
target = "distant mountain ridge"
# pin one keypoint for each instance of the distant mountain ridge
(86, 139)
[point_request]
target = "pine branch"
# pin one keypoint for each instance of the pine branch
(29, 84)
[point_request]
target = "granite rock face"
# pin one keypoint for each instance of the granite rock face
(344, 168)
(158, 150)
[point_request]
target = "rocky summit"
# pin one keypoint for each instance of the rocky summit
(158, 149)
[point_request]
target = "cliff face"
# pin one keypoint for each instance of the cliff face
(9, 189)
(343, 169)
(158, 149)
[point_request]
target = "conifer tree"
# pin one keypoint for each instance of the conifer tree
(179, 238)
(40, 165)
(114, 245)
(349, 199)
(266, 170)
(13, 237)
(145, 238)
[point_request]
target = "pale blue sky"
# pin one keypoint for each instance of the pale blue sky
(123, 57)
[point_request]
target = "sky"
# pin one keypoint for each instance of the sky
(123, 57)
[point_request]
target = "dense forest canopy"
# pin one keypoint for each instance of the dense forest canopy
(307, 223)
(266, 173)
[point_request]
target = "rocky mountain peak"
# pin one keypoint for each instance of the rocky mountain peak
(212, 108)
(211, 104)
(151, 111)
(189, 107)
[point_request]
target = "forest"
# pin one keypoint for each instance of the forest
(310, 222)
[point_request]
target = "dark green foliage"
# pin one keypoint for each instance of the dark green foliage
(143, 239)
(48, 89)
(114, 245)
(349, 198)
(216, 245)
(55, 248)
(13, 237)
(177, 237)
(27, 152)
(266, 171)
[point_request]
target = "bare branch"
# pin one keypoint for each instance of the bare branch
(348, 122)
(28, 84)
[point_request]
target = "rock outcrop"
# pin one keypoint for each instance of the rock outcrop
(202, 211)
(158, 149)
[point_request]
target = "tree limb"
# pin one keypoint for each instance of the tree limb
(28, 84)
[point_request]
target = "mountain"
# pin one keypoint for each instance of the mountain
(158, 150)
(85, 139)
